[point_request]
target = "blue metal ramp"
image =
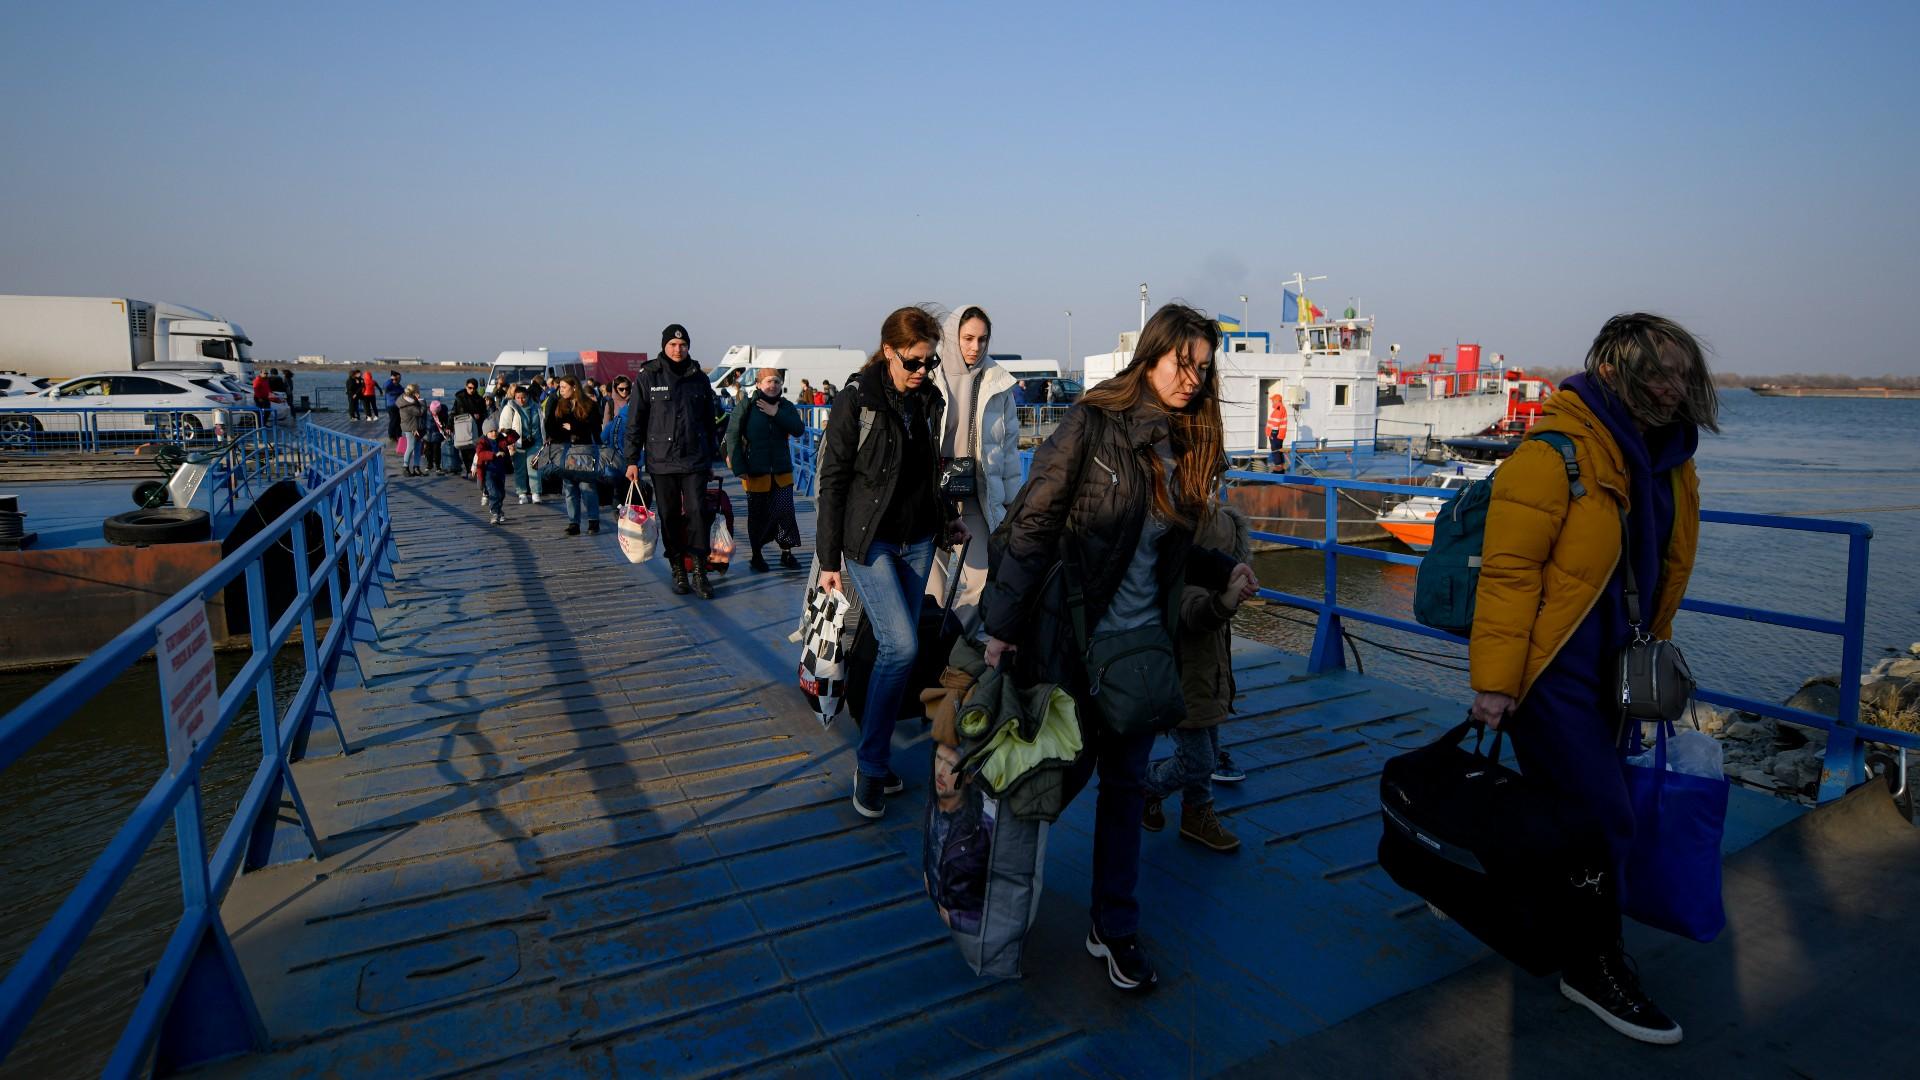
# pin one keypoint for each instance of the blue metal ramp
(588, 826)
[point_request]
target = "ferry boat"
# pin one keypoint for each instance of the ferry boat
(1411, 522)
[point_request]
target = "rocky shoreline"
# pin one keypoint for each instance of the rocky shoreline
(1787, 759)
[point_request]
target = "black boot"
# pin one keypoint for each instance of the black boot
(758, 562)
(787, 561)
(700, 584)
(680, 579)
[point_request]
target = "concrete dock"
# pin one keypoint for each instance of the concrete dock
(586, 826)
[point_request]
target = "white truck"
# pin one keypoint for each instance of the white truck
(815, 365)
(63, 336)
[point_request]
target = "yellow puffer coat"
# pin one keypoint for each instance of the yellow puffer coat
(1548, 557)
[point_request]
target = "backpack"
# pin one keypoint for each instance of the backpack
(1450, 573)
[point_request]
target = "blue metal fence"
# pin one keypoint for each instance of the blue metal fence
(198, 972)
(1846, 735)
(104, 429)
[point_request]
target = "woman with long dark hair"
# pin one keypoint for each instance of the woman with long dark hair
(1111, 500)
(880, 518)
(575, 423)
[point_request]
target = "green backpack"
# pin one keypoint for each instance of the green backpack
(1450, 573)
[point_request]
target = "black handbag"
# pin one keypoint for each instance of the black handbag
(1654, 681)
(958, 475)
(1486, 847)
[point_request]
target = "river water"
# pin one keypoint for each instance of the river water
(1852, 459)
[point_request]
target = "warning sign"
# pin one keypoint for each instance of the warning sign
(189, 690)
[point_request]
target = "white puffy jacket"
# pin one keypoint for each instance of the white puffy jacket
(996, 425)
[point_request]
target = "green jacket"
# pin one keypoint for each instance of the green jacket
(757, 443)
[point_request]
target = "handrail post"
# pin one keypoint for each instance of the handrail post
(1846, 759)
(1329, 637)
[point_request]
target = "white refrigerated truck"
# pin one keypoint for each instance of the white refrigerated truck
(63, 336)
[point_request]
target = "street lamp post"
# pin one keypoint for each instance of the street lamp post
(1066, 364)
(1244, 328)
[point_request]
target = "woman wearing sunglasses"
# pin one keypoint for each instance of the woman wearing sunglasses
(881, 515)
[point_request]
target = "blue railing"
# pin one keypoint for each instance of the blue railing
(1846, 736)
(347, 493)
(103, 429)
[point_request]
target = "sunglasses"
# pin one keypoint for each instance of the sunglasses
(929, 364)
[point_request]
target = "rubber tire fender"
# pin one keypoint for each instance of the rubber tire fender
(160, 525)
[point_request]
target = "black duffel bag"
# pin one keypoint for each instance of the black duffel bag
(1485, 846)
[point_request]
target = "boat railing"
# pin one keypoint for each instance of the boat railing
(110, 428)
(197, 1005)
(1846, 735)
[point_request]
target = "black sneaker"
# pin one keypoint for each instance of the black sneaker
(1224, 772)
(680, 586)
(593, 527)
(892, 785)
(869, 796)
(573, 529)
(787, 561)
(1153, 816)
(1127, 966)
(758, 563)
(1609, 986)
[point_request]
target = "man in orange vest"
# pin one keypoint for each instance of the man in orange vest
(1277, 427)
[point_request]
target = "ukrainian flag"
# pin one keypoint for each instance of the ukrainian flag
(1227, 323)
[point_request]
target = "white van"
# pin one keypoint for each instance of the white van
(519, 366)
(815, 365)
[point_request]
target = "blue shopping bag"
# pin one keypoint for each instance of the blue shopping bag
(1672, 876)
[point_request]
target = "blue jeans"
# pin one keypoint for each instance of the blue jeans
(495, 486)
(1190, 769)
(415, 451)
(890, 585)
(577, 492)
(1116, 823)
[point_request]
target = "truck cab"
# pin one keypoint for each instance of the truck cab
(200, 339)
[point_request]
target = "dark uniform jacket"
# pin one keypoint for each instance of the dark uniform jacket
(672, 419)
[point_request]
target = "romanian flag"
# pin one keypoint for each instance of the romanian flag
(1298, 309)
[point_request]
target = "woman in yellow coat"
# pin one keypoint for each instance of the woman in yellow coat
(1550, 615)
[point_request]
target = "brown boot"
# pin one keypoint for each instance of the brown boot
(1153, 818)
(1202, 826)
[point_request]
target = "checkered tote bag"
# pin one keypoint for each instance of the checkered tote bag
(823, 648)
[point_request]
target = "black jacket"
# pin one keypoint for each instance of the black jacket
(586, 429)
(472, 404)
(1101, 523)
(855, 484)
(672, 419)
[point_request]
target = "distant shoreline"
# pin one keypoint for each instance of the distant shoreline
(1838, 391)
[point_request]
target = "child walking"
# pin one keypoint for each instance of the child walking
(1204, 644)
(492, 456)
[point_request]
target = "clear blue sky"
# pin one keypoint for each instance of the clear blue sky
(448, 180)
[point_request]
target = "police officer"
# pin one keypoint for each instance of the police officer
(672, 421)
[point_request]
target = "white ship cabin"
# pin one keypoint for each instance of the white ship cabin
(1328, 385)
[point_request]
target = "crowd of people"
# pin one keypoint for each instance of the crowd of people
(920, 454)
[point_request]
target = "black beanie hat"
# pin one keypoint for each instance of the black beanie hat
(675, 332)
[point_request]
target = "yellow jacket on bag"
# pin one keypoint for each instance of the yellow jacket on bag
(1548, 556)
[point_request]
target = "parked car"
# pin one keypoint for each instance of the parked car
(12, 382)
(186, 405)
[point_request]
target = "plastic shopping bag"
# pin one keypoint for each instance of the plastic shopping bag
(1672, 877)
(823, 668)
(720, 543)
(638, 526)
